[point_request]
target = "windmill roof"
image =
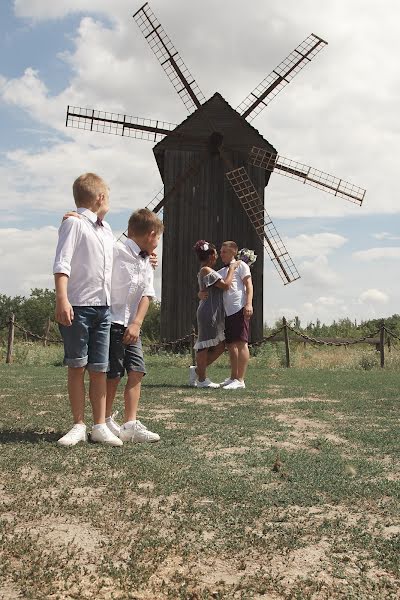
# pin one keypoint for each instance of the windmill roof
(215, 114)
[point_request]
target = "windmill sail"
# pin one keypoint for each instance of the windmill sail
(259, 218)
(117, 124)
(270, 87)
(296, 170)
(167, 55)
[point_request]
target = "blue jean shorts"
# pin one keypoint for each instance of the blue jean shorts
(124, 357)
(87, 340)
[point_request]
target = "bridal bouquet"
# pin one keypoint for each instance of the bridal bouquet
(247, 256)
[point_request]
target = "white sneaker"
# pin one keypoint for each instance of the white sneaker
(235, 385)
(138, 433)
(102, 435)
(192, 376)
(207, 383)
(113, 425)
(74, 436)
(226, 381)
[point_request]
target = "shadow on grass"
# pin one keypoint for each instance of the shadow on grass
(13, 436)
(177, 386)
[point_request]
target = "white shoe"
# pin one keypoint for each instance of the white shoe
(207, 383)
(235, 385)
(113, 425)
(138, 433)
(74, 436)
(227, 381)
(192, 376)
(102, 435)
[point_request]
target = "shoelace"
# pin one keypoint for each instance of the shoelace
(141, 426)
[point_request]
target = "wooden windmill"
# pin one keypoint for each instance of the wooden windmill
(214, 167)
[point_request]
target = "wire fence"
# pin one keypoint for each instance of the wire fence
(187, 342)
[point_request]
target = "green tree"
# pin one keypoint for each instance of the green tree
(37, 309)
(10, 305)
(151, 324)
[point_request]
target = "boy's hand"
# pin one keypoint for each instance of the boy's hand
(202, 295)
(132, 333)
(153, 258)
(64, 313)
(71, 213)
(248, 311)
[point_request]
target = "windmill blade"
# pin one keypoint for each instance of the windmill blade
(270, 87)
(296, 170)
(156, 205)
(259, 218)
(167, 55)
(158, 202)
(117, 124)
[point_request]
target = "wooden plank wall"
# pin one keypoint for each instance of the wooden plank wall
(204, 208)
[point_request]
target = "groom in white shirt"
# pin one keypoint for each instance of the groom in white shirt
(238, 304)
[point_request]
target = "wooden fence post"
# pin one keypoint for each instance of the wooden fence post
(286, 337)
(382, 342)
(46, 331)
(10, 343)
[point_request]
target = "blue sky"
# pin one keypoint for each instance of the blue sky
(339, 115)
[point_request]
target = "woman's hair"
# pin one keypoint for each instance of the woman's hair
(204, 250)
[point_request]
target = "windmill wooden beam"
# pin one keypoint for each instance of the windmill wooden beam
(280, 77)
(169, 58)
(308, 175)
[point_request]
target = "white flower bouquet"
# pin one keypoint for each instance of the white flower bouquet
(247, 256)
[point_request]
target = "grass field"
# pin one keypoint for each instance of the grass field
(286, 490)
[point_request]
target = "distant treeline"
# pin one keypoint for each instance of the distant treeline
(33, 313)
(342, 328)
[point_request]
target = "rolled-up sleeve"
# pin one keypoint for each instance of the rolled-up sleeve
(149, 287)
(67, 239)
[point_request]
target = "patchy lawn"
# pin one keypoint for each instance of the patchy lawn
(286, 490)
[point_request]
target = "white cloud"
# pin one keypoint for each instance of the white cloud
(378, 254)
(318, 244)
(318, 274)
(26, 259)
(374, 297)
(385, 235)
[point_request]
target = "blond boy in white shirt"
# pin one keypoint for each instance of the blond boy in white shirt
(131, 292)
(82, 272)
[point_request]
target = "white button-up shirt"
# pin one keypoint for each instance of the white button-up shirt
(132, 278)
(235, 296)
(85, 253)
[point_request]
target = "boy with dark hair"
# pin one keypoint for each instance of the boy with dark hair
(131, 292)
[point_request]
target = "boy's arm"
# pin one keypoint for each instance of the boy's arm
(248, 308)
(64, 311)
(67, 240)
(132, 332)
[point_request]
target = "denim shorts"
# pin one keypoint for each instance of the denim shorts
(124, 357)
(87, 340)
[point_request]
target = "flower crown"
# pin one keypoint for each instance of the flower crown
(202, 245)
(247, 256)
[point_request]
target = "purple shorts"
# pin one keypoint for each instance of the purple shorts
(237, 328)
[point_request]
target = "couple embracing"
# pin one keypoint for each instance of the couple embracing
(224, 313)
